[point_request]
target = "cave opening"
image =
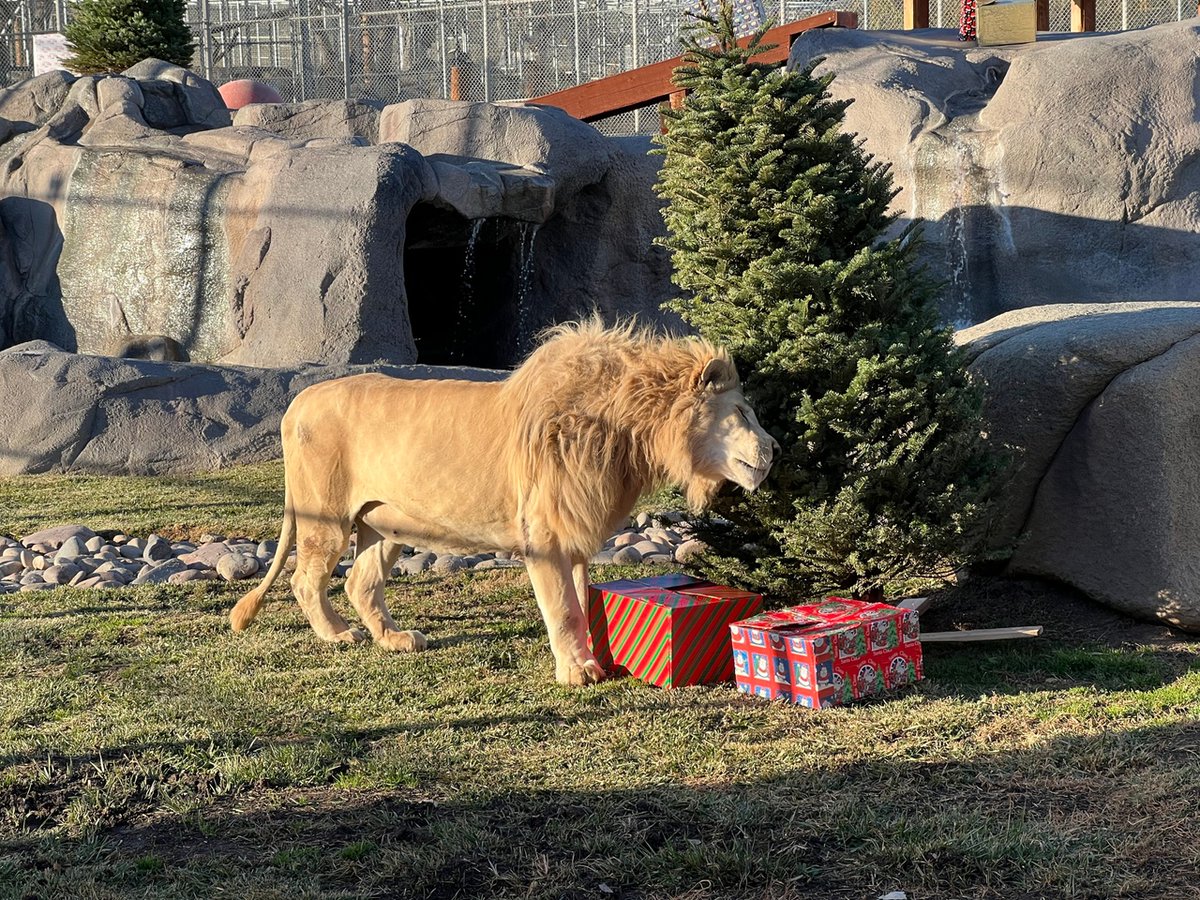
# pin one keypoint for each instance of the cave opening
(467, 281)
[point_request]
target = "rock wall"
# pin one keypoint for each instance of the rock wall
(1057, 172)
(328, 232)
(1097, 403)
(75, 412)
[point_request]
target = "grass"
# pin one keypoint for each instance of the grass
(146, 751)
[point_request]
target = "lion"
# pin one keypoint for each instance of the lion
(545, 464)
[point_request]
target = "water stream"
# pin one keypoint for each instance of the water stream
(466, 294)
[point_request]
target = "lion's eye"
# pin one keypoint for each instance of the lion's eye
(742, 413)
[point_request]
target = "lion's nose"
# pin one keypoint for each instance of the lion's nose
(775, 448)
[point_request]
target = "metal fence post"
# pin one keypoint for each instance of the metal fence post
(205, 42)
(578, 69)
(487, 58)
(346, 49)
(442, 45)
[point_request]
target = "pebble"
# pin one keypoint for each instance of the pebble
(53, 538)
(71, 550)
(192, 575)
(160, 572)
(627, 556)
(417, 564)
(157, 549)
(237, 566)
(76, 556)
(649, 548)
(61, 573)
(447, 563)
(499, 564)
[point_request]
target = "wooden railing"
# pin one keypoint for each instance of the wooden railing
(1083, 14)
(652, 84)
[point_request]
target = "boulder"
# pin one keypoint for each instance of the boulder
(82, 413)
(1036, 187)
(1097, 405)
(310, 119)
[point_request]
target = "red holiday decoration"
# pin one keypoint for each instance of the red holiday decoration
(827, 653)
(669, 630)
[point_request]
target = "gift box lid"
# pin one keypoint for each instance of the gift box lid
(673, 591)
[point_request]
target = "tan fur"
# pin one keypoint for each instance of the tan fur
(545, 464)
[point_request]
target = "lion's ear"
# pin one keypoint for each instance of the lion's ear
(718, 375)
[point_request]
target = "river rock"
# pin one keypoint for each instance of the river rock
(62, 573)
(58, 535)
(157, 549)
(159, 573)
(237, 566)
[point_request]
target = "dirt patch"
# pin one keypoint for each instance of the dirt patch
(1066, 615)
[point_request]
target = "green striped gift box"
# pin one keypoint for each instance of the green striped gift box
(667, 630)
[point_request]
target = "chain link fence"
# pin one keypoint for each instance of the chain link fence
(389, 50)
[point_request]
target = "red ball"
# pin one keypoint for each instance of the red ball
(244, 91)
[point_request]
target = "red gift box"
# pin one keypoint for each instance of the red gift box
(827, 653)
(669, 630)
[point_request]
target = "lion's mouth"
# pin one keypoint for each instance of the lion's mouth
(756, 473)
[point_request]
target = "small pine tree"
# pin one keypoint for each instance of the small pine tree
(112, 35)
(776, 222)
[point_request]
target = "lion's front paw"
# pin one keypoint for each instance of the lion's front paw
(349, 636)
(580, 672)
(403, 641)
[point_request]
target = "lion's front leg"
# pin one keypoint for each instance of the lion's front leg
(558, 599)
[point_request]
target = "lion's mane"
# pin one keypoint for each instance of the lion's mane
(602, 414)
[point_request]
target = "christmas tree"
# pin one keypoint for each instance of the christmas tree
(777, 221)
(112, 35)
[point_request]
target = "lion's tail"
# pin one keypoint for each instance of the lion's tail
(247, 608)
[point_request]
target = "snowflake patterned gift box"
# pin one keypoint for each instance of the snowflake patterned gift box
(668, 630)
(827, 653)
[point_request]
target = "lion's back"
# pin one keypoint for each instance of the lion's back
(431, 436)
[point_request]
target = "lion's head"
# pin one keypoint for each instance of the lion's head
(727, 441)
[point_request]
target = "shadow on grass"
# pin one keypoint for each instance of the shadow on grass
(1041, 823)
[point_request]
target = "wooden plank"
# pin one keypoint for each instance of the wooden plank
(917, 604)
(1043, 15)
(981, 634)
(1083, 15)
(652, 84)
(916, 14)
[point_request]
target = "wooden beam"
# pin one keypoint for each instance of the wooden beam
(1083, 15)
(981, 634)
(1043, 15)
(916, 14)
(916, 604)
(652, 84)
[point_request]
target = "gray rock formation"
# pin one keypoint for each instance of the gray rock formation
(345, 119)
(1099, 404)
(82, 413)
(1061, 171)
(131, 205)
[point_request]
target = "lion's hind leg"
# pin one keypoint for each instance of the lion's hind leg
(321, 543)
(372, 564)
